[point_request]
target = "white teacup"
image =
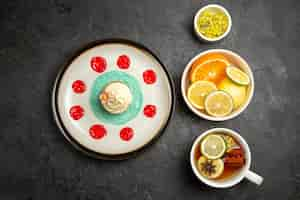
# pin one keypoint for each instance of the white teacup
(242, 173)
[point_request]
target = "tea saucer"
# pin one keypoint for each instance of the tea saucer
(83, 120)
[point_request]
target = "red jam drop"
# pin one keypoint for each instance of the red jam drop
(78, 86)
(98, 64)
(76, 112)
(123, 62)
(149, 76)
(150, 111)
(97, 131)
(126, 133)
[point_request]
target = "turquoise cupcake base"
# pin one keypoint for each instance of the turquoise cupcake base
(135, 106)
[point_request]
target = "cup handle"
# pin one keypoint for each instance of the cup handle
(253, 177)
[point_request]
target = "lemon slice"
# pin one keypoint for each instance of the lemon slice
(230, 142)
(218, 104)
(236, 91)
(213, 146)
(237, 75)
(210, 169)
(198, 91)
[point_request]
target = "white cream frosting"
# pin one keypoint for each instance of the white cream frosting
(116, 97)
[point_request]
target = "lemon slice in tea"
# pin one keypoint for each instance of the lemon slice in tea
(237, 75)
(218, 104)
(210, 169)
(230, 143)
(213, 146)
(198, 91)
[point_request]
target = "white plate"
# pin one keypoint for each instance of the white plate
(145, 128)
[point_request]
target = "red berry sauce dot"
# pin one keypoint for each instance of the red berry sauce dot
(150, 111)
(97, 131)
(123, 62)
(76, 112)
(149, 76)
(98, 64)
(78, 86)
(126, 133)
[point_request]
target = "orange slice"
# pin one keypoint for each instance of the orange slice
(210, 67)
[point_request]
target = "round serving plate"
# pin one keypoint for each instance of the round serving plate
(83, 120)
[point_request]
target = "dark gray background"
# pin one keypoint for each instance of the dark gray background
(36, 38)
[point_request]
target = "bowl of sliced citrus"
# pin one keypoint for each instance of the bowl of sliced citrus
(217, 84)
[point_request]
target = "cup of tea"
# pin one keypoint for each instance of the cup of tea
(221, 158)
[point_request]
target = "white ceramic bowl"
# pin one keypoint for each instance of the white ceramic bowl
(244, 172)
(237, 61)
(212, 7)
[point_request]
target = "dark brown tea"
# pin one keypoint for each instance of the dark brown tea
(219, 156)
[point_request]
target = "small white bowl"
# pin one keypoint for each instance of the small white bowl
(244, 172)
(212, 7)
(237, 61)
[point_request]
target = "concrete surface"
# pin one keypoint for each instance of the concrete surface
(36, 162)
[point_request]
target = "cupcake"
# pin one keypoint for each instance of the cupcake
(115, 97)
